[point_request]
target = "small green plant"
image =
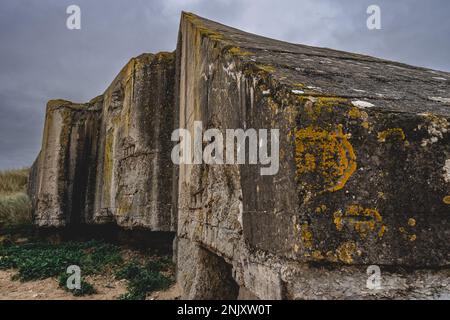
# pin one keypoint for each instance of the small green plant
(129, 271)
(144, 279)
(86, 289)
(160, 264)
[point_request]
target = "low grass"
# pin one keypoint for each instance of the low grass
(13, 181)
(15, 212)
(15, 206)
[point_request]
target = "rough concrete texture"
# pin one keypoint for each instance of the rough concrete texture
(134, 160)
(364, 168)
(62, 175)
(105, 161)
(364, 174)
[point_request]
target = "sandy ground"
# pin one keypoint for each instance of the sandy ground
(48, 289)
(107, 288)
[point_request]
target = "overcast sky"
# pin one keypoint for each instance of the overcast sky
(40, 59)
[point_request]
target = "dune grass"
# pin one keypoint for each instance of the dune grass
(15, 211)
(15, 206)
(13, 181)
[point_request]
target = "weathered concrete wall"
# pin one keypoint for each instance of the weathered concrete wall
(364, 175)
(363, 165)
(135, 163)
(64, 171)
(106, 161)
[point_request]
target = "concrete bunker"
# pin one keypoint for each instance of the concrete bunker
(362, 178)
(105, 168)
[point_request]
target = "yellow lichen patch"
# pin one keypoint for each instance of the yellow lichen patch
(236, 51)
(266, 68)
(382, 231)
(354, 113)
(317, 106)
(381, 195)
(338, 221)
(346, 251)
(321, 209)
(317, 255)
(213, 35)
(409, 235)
(412, 222)
(190, 16)
(325, 154)
(357, 114)
(203, 30)
(446, 200)
(330, 101)
(362, 220)
(108, 165)
(306, 235)
(124, 205)
(165, 56)
(310, 162)
(391, 133)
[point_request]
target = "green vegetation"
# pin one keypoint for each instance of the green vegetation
(145, 278)
(42, 260)
(15, 206)
(86, 289)
(35, 261)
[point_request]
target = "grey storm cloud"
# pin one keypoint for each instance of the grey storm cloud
(40, 59)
